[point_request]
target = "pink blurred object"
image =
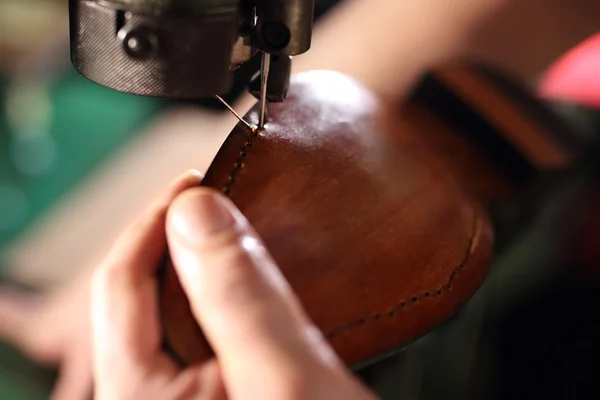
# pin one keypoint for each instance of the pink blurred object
(576, 76)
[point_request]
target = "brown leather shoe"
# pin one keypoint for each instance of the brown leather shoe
(377, 215)
(371, 229)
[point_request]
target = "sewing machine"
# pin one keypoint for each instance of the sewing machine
(189, 49)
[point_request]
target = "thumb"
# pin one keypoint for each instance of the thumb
(238, 295)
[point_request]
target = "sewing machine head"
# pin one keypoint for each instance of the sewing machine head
(187, 49)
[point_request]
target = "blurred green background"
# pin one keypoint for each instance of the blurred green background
(52, 133)
(55, 126)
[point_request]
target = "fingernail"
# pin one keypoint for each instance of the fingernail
(195, 175)
(191, 176)
(200, 213)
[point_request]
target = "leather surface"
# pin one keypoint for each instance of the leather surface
(372, 228)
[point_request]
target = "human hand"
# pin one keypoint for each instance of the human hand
(54, 329)
(265, 346)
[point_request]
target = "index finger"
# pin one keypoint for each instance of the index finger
(125, 322)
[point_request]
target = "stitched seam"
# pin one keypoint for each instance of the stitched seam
(394, 311)
(239, 165)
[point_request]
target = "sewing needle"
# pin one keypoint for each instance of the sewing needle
(252, 128)
(265, 69)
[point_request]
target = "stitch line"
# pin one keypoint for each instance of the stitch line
(393, 312)
(239, 165)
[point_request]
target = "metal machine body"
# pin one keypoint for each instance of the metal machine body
(187, 49)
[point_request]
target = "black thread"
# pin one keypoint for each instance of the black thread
(415, 299)
(239, 165)
(390, 313)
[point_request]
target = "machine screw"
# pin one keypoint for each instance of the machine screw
(140, 42)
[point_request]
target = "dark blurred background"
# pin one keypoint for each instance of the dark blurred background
(531, 332)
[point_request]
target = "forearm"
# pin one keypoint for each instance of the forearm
(388, 44)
